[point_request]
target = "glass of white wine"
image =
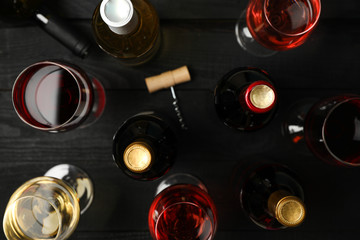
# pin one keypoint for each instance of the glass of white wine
(48, 207)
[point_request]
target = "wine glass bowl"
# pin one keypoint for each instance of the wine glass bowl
(268, 26)
(48, 207)
(332, 130)
(42, 208)
(54, 96)
(182, 211)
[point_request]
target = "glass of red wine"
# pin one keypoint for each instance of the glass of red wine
(331, 129)
(182, 209)
(55, 96)
(268, 26)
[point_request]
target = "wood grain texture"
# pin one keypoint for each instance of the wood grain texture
(210, 50)
(208, 150)
(201, 9)
(201, 35)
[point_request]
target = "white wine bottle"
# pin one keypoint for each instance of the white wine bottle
(127, 30)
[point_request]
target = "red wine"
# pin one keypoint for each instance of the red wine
(332, 130)
(145, 146)
(245, 99)
(259, 184)
(49, 96)
(182, 212)
(342, 131)
(282, 24)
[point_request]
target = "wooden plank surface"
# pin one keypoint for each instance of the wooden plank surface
(202, 9)
(210, 50)
(208, 150)
(200, 34)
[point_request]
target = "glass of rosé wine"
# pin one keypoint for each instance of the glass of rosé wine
(182, 209)
(269, 26)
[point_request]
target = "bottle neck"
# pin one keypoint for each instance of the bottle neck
(258, 97)
(119, 15)
(287, 209)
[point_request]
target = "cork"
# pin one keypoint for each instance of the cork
(168, 79)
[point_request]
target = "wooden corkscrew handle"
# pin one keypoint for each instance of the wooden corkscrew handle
(167, 79)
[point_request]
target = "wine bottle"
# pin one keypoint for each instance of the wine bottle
(245, 99)
(15, 11)
(127, 30)
(272, 197)
(144, 147)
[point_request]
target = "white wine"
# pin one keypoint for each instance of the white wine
(127, 30)
(42, 208)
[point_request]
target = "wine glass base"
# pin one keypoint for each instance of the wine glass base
(78, 180)
(179, 178)
(99, 102)
(293, 126)
(246, 40)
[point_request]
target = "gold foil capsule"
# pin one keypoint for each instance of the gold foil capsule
(138, 156)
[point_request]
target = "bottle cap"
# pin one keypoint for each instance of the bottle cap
(290, 211)
(260, 96)
(119, 15)
(167, 79)
(137, 157)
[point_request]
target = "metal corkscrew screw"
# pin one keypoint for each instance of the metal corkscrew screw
(177, 109)
(169, 80)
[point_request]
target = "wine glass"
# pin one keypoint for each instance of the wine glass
(55, 96)
(331, 129)
(182, 209)
(48, 207)
(268, 26)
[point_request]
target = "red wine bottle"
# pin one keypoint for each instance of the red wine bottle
(245, 99)
(144, 147)
(272, 197)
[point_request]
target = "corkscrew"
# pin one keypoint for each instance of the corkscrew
(177, 109)
(169, 80)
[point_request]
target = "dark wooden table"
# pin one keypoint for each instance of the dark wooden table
(200, 34)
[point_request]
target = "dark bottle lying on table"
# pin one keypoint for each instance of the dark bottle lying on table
(144, 147)
(16, 11)
(272, 197)
(245, 99)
